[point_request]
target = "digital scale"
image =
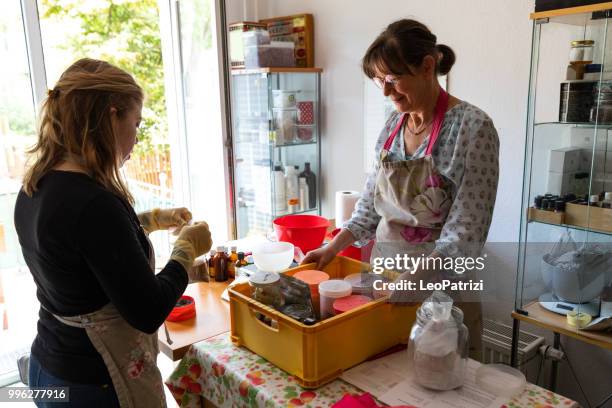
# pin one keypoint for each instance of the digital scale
(551, 302)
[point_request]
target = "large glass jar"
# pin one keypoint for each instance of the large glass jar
(266, 289)
(438, 345)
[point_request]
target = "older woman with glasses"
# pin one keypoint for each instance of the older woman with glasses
(432, 193)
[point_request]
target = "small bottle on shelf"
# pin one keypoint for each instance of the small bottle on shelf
(241, 260)
(311, 181)
(211, 264)
(594, 200)
(607, 201)
(231, 265)
(303, 187)
(220, 261)
(559, 206)
(537, 202)
(292, 189)
(280, 198)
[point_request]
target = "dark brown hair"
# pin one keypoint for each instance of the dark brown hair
(403, 44)
(75, 122)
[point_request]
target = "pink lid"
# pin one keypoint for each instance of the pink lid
(312, 277)
(350, 302)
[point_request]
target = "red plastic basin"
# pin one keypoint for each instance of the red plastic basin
(304, 231)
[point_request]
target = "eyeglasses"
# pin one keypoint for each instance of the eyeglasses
(388, 79)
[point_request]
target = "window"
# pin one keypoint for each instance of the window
(17, 132)
(171, 49)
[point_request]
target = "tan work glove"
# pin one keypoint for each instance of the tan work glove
(193, 241)
(158, 219)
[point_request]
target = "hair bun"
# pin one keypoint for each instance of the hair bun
(448, 59)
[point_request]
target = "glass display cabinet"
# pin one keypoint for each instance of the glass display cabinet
(276, 145)
(565, 243)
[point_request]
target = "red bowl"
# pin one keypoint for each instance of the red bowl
(180, 313)
(304, 231)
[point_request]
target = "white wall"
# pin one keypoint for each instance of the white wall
(492, 40)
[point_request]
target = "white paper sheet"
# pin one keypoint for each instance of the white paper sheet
(390, 380)
(378, 376)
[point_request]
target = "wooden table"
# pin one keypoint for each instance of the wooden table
(212, 318)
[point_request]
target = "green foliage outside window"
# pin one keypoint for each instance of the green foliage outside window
(124, 33)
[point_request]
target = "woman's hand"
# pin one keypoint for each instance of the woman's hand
(322, 256)
(158, 219)
(173, 218)
(193, 241)
(326, 254)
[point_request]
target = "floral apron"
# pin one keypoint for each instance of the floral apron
(411, 197)
(414, 200)
(129, 354)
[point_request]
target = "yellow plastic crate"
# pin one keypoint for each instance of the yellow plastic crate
(318, 354)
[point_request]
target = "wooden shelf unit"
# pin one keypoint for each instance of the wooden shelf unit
(572, 15)
(557, 323)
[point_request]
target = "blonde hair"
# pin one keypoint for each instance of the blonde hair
(75, 123)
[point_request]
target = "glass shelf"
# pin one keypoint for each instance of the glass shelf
(281, 213)
(575, 227)
(586, 125)
(274, 144)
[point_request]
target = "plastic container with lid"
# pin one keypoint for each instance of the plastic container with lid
(266, 288)
(500, 380)
(329, 291)
(275, 54)
(581, 52)
(285, 120)
(362, 283)
(313, 278)
(350, 302)
(282, 98)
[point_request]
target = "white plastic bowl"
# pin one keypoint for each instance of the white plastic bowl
(273, 256)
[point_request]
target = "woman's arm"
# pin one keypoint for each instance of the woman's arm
(109, 244)
(466, 228)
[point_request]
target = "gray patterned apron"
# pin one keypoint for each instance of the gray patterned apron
(413, 200)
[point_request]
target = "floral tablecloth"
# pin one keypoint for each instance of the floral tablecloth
(230, 376)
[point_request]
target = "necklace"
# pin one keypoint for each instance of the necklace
(420, 130)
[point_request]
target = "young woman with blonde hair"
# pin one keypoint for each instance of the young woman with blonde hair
(88, 251)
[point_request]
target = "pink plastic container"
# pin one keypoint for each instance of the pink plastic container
(350, 302)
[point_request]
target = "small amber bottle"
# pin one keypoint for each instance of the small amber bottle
(241, 260)
(220, 262)
(211, 264)
(231, 265)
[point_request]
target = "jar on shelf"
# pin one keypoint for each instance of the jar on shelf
(266, 288)
(438, 344)
(285, 121)
(582, 52)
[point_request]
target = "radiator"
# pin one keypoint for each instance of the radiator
(497, 343)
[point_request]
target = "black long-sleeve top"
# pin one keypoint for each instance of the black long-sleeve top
(85, 248)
